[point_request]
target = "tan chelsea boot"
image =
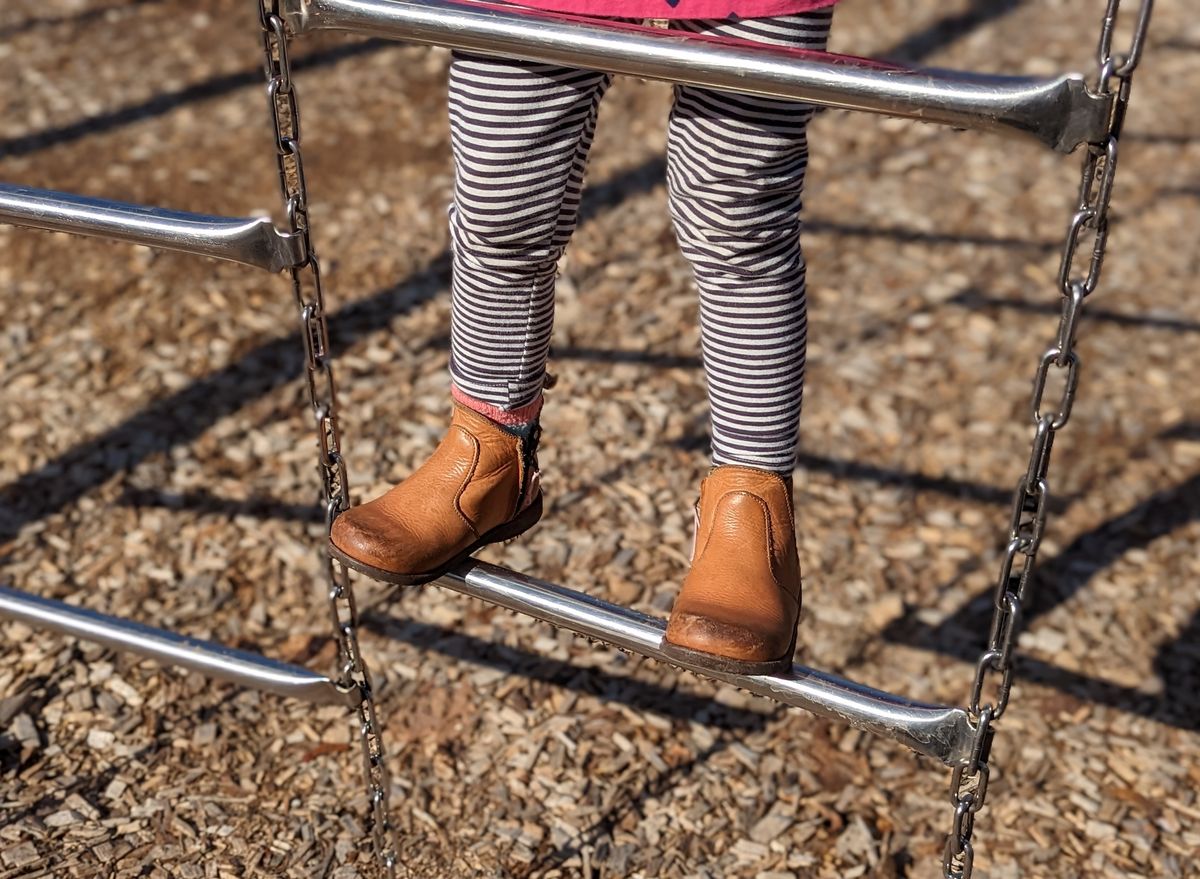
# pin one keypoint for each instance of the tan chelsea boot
(739, 605)
(479, 486)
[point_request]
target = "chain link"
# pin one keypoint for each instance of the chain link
(352, 674)
(1087, 233)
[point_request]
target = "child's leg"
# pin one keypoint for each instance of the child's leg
(520, 133)
(736, 168)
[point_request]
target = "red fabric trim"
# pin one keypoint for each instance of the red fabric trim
(512, 417)
(706, 9)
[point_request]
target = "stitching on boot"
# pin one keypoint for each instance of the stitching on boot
(467, 480)
(770, 530)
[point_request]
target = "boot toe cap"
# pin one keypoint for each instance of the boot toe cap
(709, 633)
(373, 540)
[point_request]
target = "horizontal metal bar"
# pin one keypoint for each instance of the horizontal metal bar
(1059, 112)
(944, 733)
(210, 659)
(251, 241)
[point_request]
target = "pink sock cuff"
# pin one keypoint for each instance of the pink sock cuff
(522, 415)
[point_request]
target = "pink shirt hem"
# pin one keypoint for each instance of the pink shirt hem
(679, 9)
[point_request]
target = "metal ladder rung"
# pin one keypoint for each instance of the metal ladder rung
(214, 660)
(252, 241)
(934, 730)
(1060, 112)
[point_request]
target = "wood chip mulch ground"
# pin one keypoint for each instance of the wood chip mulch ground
(157, 463)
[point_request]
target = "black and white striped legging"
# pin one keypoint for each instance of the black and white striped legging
(735, 169)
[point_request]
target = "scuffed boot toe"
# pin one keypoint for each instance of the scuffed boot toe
(710, 642)
(374, 545)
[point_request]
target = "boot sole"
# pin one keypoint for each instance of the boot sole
(525, 520)
(714, 662)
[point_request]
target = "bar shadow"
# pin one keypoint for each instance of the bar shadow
(648, 176)
(901, 235)
(586, 354)
(1187, 430)
(973, 299)
(1159, 138)
(206, 503)
(1179, 192)
(165, 102)
(1177, 663)
(939, 34)
(918, 482)
(601, 684)
(84, 17)
(948, 29)
(186, 414)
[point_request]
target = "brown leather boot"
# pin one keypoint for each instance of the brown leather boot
(480, 486)
(738, 608)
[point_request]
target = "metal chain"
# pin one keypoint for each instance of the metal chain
(994, 670)
(352, 674)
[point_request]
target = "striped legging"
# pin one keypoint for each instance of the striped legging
(521, 132)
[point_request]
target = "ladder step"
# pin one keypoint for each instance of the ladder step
(1060, 112)
(210, 659)
(250, 241)
(934, 730)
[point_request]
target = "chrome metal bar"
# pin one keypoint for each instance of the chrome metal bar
(252, 241)
(944, 733)
(214, 660)
(1059, 112)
